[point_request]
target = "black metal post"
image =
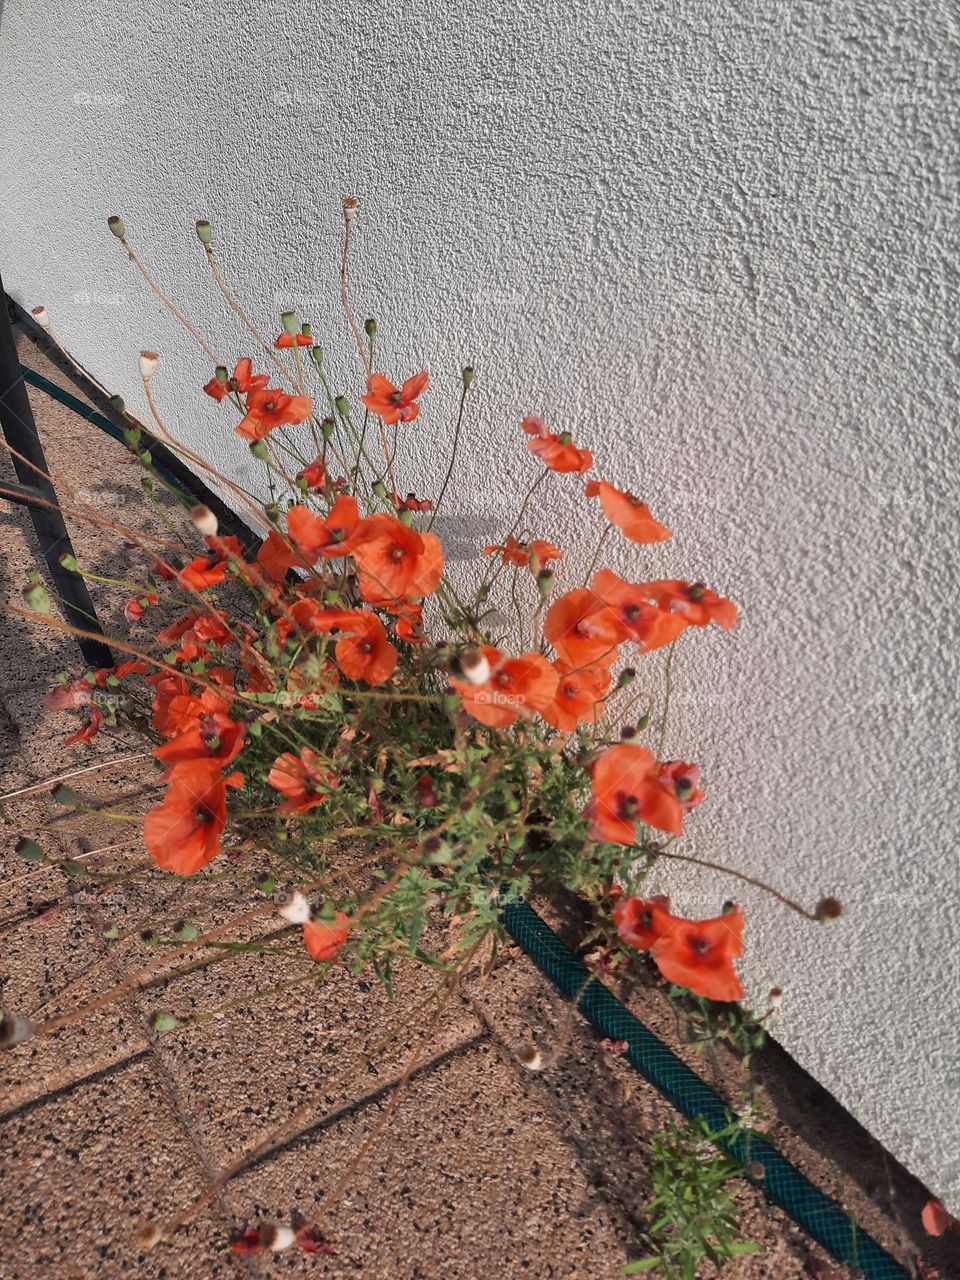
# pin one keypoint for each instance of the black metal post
(20, 432)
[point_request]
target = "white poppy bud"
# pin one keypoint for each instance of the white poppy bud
(297, 910)
(204, 520)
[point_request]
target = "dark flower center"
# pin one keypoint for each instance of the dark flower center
(627, 806)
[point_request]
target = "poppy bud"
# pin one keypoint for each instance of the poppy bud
(40, 315)
(829, 909)
(379, 489)
(148, 1235)
(69, 562)
(305, 330)
(297, 909)
(370, 327)
(118, 405)
(531, 1058)
(341, 405)
(468, 376)
(546, 579)
(161, 1022)
(643, 721)
(65, 795)
(316, 355)
(29, 849)
(148, 364)
(327, 428)
(14, 1029)
(626, 676)
(204, 521)
(116, 226)
(472, 665)
(221, 375)
(289, 321)
(259, 450)
(204, 232)
(272, 512)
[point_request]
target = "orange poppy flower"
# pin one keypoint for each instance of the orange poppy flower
(583, 629)
(322, 939)
(684, 780)
(244, 380)
(935, 1218)
(409, 624)
(627, 790)
(641, 921)
(395, 404)
(286, 340)
(276, 556)
(213, 737)
(627, 513)
(134, 609)
(203, 572)
(579, 696)
(693, 602)
(89, 730)
(514, 687)
(327, 537)
(699, 955)
(268, 409)
(395, 562)
(175, 708)
(303, 779)
(534, 554)
(365, 653)
(556, 451)
(315, 474)
(183, 833)
(647, 626)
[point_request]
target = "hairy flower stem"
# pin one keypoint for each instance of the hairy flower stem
(174, 310)
(453, 456)
(244, 318)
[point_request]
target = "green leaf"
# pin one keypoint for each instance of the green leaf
(737, 1248)
(643, 1265)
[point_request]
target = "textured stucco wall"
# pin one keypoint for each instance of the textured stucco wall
(719, 240)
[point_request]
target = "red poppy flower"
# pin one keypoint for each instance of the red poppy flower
(160, 569)
(395, 404)
(364, 653)
(276, 556)
(514, 687)
(286, 340)
(579, 696)
(699, 955)
(213, 737)
(641, 921)
(133, 609)
(627, 790)
(693, 602)
(183, 833)
(409, 624)
(646, 625)
(315, 475)
(411, 502)
(556, 451)
(176, 709)
(684, 779)
(627, 513)
(535, 553)
(132, 667)
(89, 731)
(303, 779)
(394, 562)
(326, 537)
(322, 939)
(268, 409)
(583, 629)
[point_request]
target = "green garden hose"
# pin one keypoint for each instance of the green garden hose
(819, 1216)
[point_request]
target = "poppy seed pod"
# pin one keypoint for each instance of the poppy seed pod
(204, 521)
(289, 321)
(350, 206)
(327, 427)
(148, 364)
(342, 405)
(472, 665)
(775, 997)
(370, 327)
(116, 226)
(297, 909)
(259, 450)
(204, 232)
(468, 376)
(546, 579)
(829, 909)
(316, 355)
(40, 315)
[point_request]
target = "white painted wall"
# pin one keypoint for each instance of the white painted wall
(718, 240)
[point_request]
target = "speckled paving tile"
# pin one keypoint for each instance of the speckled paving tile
(80, 1172)
(470, 1176)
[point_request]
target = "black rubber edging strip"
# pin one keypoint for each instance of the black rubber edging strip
(106, 417)
(821, 1217)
